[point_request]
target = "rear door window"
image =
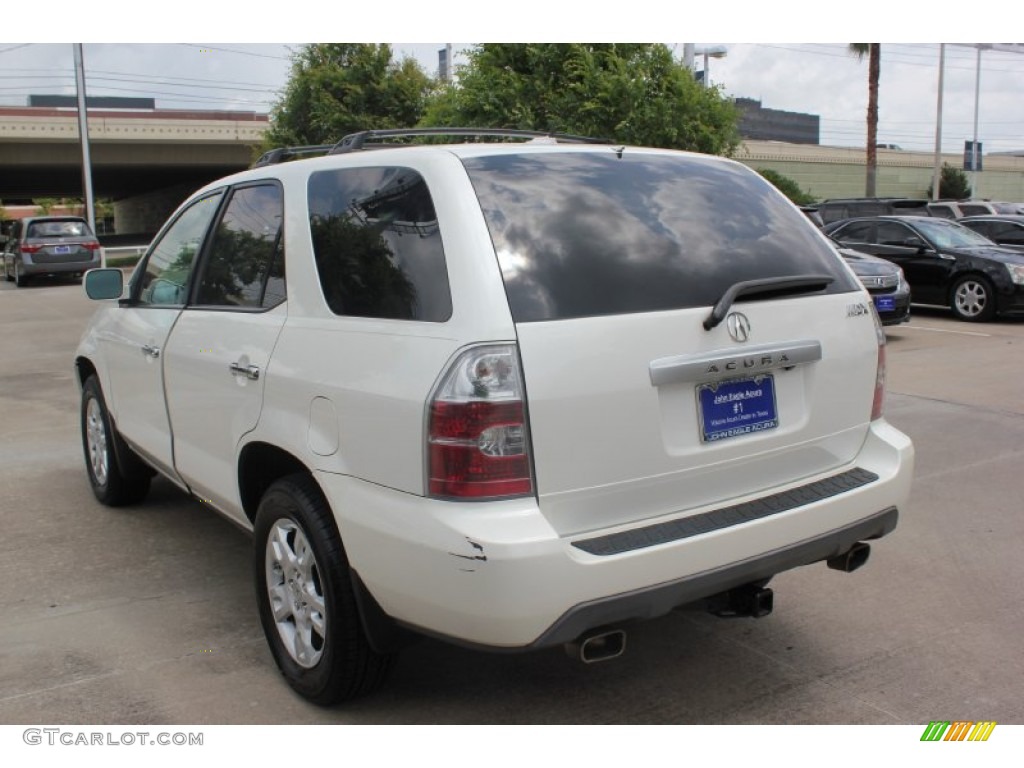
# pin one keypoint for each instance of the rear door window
(586, 234)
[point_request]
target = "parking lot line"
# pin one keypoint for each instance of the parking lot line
(945, 330)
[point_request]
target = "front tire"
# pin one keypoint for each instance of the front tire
(973, 299)
(114, 483)
(306, 600)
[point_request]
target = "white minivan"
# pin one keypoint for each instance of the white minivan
(512, 394)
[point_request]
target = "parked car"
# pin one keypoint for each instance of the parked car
(838, 209)
(49, 245)
(1004, 230)
(945, 263)
(512, 395)
(989, 207)
(884, 281)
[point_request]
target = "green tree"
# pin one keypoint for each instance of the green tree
(46, 204)
(953, 184)
(633, 93)
(339, 88)
(787, 186)
(874, 53)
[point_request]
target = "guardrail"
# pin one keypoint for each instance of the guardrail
(123, 252)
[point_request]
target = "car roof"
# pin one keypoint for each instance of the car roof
(1013, 217)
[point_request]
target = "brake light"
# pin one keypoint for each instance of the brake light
(92, 245)
(477, 440)
(26, 248)
(878, 403)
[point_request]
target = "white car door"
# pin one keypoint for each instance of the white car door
(217, 357)
(134, 337)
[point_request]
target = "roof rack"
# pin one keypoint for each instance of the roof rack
(284, 154)
(355, 142)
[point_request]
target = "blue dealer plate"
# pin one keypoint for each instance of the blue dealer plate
(737, 407)
(62, 249)
(885, 303)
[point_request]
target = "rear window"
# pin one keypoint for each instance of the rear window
(59, 228)
(581, 235)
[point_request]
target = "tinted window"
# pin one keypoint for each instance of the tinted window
(974, 210)
(377, 244)
(165, 278)
(581, 234)
(981, 227)
(1006, 232)
(891, 233)
(243, 268)
(856, 232)
(58, 228)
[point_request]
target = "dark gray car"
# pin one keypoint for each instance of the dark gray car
(49, 245)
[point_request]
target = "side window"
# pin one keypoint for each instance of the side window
(891, 233)
(974, 210)
(377, 245)
(982, 228)
(245, 262)
(858, 232)
(164, 280)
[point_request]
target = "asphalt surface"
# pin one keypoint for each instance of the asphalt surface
(146, 615)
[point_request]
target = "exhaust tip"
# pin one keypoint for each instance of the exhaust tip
(852, 559)
(598, 646)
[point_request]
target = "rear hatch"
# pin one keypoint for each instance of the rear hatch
(612, 262)
(61, 241)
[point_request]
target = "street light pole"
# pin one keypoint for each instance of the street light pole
(974, 145)
(83, 132)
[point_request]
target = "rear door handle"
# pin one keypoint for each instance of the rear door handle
(151, 351)
(249, 371)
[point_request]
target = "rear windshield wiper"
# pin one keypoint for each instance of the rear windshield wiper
(778, 286)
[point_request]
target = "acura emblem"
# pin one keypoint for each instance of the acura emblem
(738, 326)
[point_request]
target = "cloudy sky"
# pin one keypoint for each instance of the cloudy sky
(814, 77)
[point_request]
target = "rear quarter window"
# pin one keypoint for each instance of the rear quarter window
(580, 234)
(377, 244)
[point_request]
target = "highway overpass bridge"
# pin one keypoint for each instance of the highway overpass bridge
(146, 161)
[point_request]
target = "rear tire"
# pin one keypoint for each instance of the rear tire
(306, 599)
(114, 483)
(973, 299)
(20, 280)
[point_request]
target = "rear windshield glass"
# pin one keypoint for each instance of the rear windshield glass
(581, 235)
(59, 228)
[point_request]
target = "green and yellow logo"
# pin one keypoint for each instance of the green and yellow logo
(958, 730)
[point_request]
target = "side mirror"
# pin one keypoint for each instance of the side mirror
(101, 284)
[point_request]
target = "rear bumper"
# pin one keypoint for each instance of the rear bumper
(31, 267)
(496, 575)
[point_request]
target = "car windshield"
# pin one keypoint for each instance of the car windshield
(947, 234)
(65, 228)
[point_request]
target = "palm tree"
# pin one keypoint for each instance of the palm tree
(874, 53)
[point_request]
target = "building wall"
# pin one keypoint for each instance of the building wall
(827, 172)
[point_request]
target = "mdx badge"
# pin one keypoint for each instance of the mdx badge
(856, 310)
(738, 326)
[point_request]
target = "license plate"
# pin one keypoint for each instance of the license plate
(62, 249)
(737, 407)
(885, 303)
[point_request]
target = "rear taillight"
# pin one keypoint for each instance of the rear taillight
(26, 248)
(477, 440)
(877, 405)
(91, 246)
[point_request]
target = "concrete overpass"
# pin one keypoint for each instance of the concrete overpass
(146, 161)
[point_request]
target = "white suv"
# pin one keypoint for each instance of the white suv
(509, 394)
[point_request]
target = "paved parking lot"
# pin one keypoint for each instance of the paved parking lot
(146, 615)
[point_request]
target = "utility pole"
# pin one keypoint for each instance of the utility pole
(937, 170)
(83, 133)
